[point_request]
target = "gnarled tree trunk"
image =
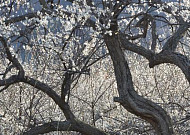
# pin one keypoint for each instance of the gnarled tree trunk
(128, 97)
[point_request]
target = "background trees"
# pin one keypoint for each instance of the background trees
(57, 73)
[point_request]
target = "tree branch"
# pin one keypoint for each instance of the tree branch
(88, 22)
(77, 125)
(11, 80)
(172, 42)
(49, 127)
(154, 36)
(66, 86)
(12, 59)
(166, 56)
(128, 97)
(173, 58)
(125, 44)
(51, 93)
(21, 18)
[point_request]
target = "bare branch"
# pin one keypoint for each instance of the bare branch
(21, 18)
(173, 58)
(12, 59)
(154, 36)
(88, 22)
(166, 56)
(172, 42)
(128, 97)
(11, 80)
(76, 124)
(134, 48)
(50, 127)
(51, 93)
(66, 85)
(8, 70)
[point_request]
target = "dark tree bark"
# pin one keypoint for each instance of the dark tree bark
(128, 97)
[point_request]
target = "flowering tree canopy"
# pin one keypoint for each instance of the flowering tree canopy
(50, 45)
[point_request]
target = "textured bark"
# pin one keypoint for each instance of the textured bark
(165, 56)
(128, 97)
(49, 127)
(85, 129)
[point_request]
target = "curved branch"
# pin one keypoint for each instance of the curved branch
(173, 58)
(51, 93)
(49, 127)
(12, 59)
(165, 56)
(77, 125)
(7, 82)
(11, 80)
(128, 97)
(125, 44)
(172, 42)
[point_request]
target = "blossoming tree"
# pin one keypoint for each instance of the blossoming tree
(50, 45)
